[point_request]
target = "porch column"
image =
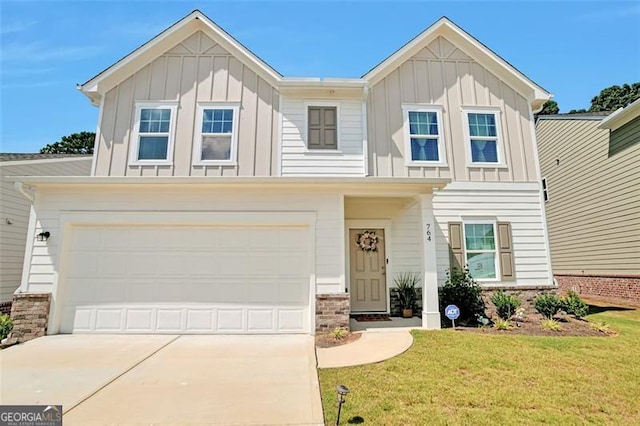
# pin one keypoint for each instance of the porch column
(430, 302)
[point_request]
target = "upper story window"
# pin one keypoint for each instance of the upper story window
(153, 133)
(483, 136)
(216, 133)
(322, 127)
(480, 250)
(424, 143)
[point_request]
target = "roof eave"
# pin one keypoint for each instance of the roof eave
(621, 116)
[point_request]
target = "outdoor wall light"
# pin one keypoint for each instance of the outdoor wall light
(43, 236)
(342, 392)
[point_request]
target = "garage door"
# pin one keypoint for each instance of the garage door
(186, 279)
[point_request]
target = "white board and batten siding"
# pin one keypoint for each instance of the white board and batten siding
(348, 160)
(15, 210)
(516, 203)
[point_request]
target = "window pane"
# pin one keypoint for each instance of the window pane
(482, 265)
(153, 148)
(479, 236)
(154, 120)
(424, 149)
(216, 148)
(217, 121)
(482, 125)
(423, 123)
(484, 151)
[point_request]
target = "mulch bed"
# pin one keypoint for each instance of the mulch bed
(531, 327)
(326, 340)
(371, 317)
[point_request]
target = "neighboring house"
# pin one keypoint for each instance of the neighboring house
(15, 209)
(226, 198)
(589, 164)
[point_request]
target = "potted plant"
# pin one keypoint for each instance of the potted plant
(406, 283)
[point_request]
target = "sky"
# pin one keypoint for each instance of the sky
(573, 49)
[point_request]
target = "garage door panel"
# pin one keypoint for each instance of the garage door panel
(187, 279)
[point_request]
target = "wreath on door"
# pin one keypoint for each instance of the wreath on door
(368, 241)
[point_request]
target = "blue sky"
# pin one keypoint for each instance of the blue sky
(573, 49)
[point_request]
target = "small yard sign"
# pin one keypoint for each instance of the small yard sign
(452, 312)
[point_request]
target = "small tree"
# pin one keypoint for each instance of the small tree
(75, 143)
(462, 290)
(505, 304)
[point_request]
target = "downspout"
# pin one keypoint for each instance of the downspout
(365, 141)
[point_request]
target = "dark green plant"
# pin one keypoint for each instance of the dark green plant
(548, 304)
(462, 290)
(406, 283)
(6, 325)
(574, 305)
(506, 304)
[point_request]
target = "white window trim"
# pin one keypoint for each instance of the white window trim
(499, 140)
(305, 136)
(480, 221)
(135, 134)
(406, 108)
(197, 143)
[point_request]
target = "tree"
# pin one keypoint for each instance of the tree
(577, 111)
(549, 108)
(75, 143)
(614, 97)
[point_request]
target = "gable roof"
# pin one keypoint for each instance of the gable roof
(621, 116)
(196, 20)
(535, 94)
(14, 158)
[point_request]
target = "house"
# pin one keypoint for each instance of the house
(592, 200)
(226, 198)
(15, 210)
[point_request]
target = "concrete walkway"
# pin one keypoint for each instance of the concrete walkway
(372, 346)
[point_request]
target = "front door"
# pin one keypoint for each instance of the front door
(368, 284)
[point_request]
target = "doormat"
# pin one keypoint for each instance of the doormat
(370, 317)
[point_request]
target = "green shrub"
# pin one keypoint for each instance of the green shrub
(506, 304)
(406, 283)
(550, 324)
(548, 304)
(502, 324)
(462, 290)
(574, 305)
(339, 333)
(6, 325)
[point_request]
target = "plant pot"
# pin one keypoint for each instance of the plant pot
(407, 313)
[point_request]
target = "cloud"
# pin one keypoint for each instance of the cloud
(37, 52)
(16, 27)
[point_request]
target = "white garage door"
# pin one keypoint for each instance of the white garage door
(186, 279)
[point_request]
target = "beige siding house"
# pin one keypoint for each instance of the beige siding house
(226, 198)
(589, 165)
(15, 208)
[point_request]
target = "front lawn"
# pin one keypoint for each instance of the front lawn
(453, 377)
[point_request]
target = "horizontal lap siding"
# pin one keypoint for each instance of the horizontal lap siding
(295, 158)
(593, 210)
(328, 227)
(517, 204)
(442, 75)
(15, 208)
(196, 70)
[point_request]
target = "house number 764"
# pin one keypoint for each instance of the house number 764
(428, 232)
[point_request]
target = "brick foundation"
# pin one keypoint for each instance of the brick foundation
(396, 311)
(30, 316)
(5, 308)
(526, 294)
(332, 310)
(611, 287)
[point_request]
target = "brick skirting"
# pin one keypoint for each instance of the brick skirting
(30, 316)
(621, 287)
(526, 294)
(332, 310)
(5, 308)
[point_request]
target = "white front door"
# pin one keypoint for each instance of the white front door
(368, 286)
(187, 279)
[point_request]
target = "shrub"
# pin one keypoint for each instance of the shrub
(339, 333)
(506, 304)
(550, 324)
(548, 304)
(574, 305)
(601, 327)
(406, 283)
(6, 325)
(502, 324)
(462, 290)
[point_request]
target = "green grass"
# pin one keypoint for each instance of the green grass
(451, 377)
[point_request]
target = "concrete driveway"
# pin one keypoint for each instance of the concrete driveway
(141, 379)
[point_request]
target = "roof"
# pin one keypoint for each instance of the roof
(196, 20)
(597, 115)
(621, 116)
(4, 157)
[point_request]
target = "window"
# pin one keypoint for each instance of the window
(322, 124)
(153, 133)
(216, 135)
(480, 250)
(484, 137)
(545, 193)
(423, 134)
